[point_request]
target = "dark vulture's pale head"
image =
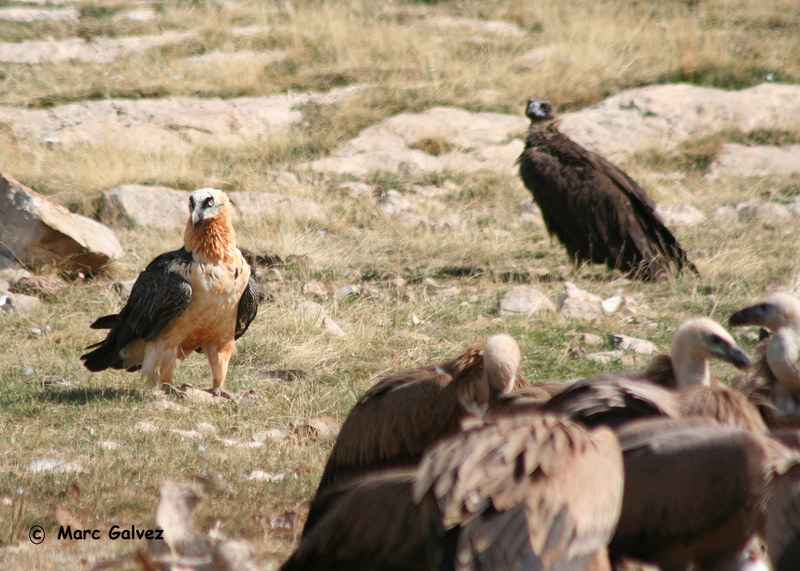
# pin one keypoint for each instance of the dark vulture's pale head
(206, 204)
(539, 110)
(776, 311)
(704, 338)
(501, 359)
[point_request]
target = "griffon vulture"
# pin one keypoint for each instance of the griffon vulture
(695, 494)
(370, 524)
(676, 385)
(779, 366)
(202, 296)
(395, 421)
(598, 212)
(526, 491)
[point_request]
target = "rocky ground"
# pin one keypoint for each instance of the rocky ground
(369, 154)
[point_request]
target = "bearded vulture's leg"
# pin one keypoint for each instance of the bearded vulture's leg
(218, 358)
(159, 364)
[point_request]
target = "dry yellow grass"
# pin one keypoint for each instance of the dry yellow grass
(600, 48)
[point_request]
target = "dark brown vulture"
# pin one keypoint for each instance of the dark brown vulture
(371, 524)
(695, 494)
(598, 212)
(675, 385)
(527, 491)
(777, 375)
(395, 421)
(202, 296)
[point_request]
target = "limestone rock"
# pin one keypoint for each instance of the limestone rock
(603, 357)
(330, 326)
(19, 304)
(576, 303)
(347, 291)
(680, 215)
(590, 339)
(143, 15)
(319, 428)
(638, 346)
(664, 116)
(39, 14)
(434, 140)
(35, 230)
(725, 214)
(612, 304)
(99, 50)
(170, 124)
(766, 213)
(758, 161)
(308, 309)
(140, 205)
(272, 434)
(524, 300)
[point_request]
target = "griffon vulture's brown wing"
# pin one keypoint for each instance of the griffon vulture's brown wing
(531, 491)
(691, 492)
(727, 406)
(612, 401)
(371, 524)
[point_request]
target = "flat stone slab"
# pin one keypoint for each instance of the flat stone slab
(758, 161)
(659, 116)
(664, 116)
(99, 50)
(441, 138)
(39, 14)
(35, 230)
(171, 124)
(524, 300)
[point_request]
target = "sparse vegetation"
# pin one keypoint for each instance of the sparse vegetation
(51, 407)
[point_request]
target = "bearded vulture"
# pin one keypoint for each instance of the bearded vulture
(598, 212)
(200, 297)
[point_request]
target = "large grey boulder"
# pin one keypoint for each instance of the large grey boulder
(35, 230)
(140, 205)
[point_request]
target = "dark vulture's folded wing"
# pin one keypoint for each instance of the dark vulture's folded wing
(158, 297)
(248, 306)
